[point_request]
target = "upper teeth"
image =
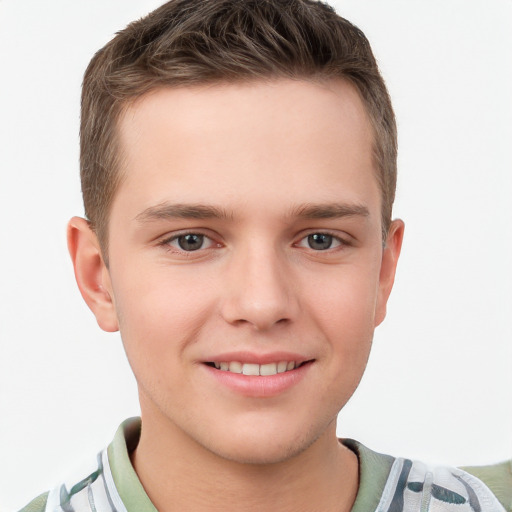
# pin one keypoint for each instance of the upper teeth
(256, 369)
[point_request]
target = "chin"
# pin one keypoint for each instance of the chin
(263, 446)
(260, 455)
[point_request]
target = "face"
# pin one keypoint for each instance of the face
(247, 270)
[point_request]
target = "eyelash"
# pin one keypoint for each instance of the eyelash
(166, 243)
(339, 241)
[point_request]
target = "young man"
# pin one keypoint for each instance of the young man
(238, 163)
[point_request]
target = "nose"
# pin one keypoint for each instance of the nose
(259, 290)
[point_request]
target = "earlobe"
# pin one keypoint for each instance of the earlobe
(390, 257)
(91, 273)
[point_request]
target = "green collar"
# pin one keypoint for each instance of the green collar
(374, 470)
(127, 483)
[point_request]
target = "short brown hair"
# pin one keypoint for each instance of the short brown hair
(191, 42)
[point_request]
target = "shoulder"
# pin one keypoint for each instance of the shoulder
(86, 485)
(422, 487)
(403, 485)
(498, 477)
(36, 505)
(105, 483)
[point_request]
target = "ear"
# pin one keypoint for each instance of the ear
(390, 256)
(91, 273)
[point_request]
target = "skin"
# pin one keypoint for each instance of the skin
(268, 164)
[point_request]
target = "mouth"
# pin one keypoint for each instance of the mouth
(258, 375)
(255, 369)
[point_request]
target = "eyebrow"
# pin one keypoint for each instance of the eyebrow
(167, 211)
(330, 211)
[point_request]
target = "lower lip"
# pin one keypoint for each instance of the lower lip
(259, 386)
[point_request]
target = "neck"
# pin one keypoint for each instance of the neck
(179, 474)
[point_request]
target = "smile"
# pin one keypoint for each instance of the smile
(256, 369)
(258, 376)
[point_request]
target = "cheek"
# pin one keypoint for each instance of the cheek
(345, 312)
(346, 303)
(159, 314)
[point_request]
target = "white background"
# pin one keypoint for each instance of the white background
(438, 386)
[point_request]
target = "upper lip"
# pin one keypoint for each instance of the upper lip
(257, 358)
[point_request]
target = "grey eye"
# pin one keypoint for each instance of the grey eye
(190, 242)
(320, 241)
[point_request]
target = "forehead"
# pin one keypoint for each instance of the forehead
(241, 141)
